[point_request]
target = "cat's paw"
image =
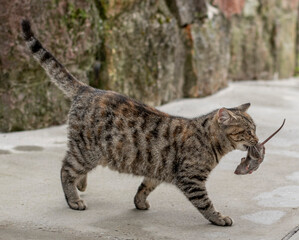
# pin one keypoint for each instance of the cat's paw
(221, 220)
(77, 205)
(141, 205)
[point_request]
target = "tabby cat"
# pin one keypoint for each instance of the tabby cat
(109, 129)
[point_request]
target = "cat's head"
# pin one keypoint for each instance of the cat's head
(238, 126)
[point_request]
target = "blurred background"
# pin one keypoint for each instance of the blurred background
(153, 50)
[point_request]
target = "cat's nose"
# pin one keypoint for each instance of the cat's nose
(254, 141)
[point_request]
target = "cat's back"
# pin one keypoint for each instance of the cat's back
(98, 105)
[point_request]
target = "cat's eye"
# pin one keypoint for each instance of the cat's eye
(238, 132)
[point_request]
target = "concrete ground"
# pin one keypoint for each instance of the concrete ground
(264, 205)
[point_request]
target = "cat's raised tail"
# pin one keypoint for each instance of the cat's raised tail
(55, 70)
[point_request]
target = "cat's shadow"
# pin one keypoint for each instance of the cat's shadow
(152, 221)
(121, 219)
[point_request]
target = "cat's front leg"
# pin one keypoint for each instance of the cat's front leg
(193, 186)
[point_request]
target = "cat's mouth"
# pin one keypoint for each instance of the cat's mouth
(246, 147)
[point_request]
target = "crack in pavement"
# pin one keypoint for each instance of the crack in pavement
(291, 233)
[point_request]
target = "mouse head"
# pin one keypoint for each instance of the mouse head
(251, 163)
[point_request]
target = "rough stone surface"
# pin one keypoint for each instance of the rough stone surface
(206, 42)
(69, 29)
(263, 40)
(230, 7)
(144, 54)
(210, 57)
(153, 50)
(187, 11)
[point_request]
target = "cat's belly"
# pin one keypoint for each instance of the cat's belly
(132, 162)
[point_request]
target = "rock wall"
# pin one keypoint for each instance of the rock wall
(263, 40)
(142, 50)
(70, 30)
(153, 50)
(160, 50)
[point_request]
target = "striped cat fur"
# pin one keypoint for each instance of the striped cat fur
(109, 129)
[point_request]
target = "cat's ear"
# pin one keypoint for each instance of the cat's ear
(244, 107)
(225, 116)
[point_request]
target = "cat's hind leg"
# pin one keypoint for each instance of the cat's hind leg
(71, 173)
(82, 183)
(145, 188)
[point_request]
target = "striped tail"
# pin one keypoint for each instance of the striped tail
(56, 71)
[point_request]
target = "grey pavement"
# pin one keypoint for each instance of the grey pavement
(264, 205)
